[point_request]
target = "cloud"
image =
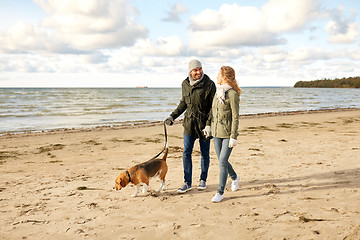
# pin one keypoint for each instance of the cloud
(164, 46)
(144, 64)
(342, 29)
(94, 58)
(20, 38)
(174, 14)
(76, 26)
(25, 63)
(234, 25)
(93, 24)
(24, 37)
(304, 54)
(273, 54)
(288, 16)
(349, 36)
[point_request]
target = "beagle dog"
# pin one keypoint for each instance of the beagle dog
(141, 173)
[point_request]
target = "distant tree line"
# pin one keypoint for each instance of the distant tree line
(351, 82)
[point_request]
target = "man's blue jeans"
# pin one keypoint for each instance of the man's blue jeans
(187, 160)
(223, 153)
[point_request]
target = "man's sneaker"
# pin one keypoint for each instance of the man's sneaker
(217, 198)
(185, 187)
(235, 183)
(202, 185)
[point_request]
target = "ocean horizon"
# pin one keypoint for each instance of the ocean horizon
(43, 109)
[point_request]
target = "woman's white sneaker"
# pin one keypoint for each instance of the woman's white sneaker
(217, 198)
(235, 183)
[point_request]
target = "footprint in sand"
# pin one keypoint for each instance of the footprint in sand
(50, 147)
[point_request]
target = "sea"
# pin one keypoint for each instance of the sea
(44, 109)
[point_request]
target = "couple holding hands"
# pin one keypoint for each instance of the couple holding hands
(210, 112)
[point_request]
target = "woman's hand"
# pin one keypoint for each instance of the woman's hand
(232, 143)
(207, 131)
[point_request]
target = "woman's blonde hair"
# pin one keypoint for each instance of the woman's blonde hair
(229, 74)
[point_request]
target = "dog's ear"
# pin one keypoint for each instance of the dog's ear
(118, 182)
(123, 182)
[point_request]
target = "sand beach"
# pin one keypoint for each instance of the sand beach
(300, 179)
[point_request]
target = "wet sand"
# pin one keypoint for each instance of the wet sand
(300, 179)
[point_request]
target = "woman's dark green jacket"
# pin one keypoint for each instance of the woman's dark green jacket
(197, 101)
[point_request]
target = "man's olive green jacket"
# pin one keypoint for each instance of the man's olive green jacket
(197, 101)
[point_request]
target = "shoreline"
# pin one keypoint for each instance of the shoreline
(154, 123)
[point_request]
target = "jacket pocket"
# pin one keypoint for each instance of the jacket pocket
(226, 126)
(186, 122)
(224, 107)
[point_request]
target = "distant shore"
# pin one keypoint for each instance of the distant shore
(351, 82)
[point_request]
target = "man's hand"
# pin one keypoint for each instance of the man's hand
(169, 121)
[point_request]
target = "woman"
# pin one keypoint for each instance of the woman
(224, 121)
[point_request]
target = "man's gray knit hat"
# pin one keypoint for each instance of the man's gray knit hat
(194, 64)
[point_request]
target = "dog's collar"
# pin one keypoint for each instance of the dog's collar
(128, 175)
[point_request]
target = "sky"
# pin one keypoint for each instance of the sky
(129, 43)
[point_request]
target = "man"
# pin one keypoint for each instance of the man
(198, 91)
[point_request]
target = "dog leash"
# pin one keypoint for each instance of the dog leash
(165, 143)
